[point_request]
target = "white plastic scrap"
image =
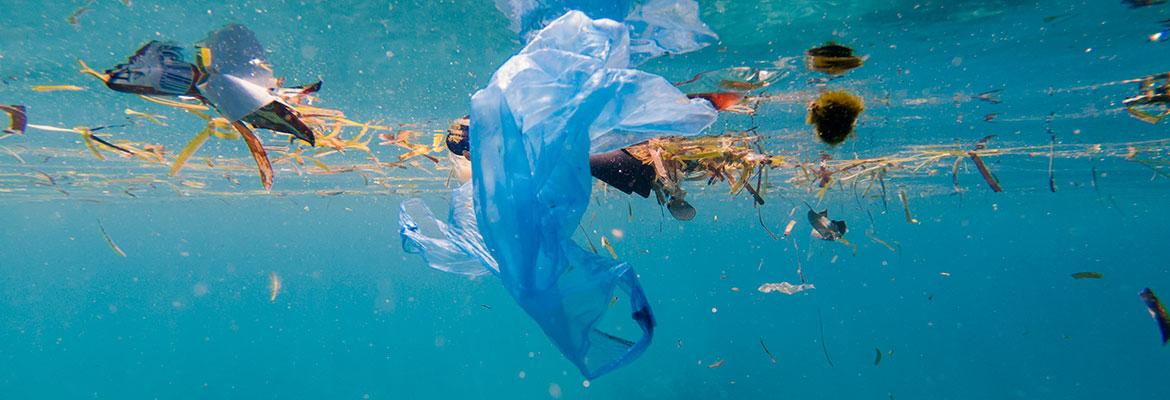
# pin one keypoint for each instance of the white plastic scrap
(785, 287)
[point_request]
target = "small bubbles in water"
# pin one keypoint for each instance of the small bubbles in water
(531, 355)
(554, 390)
(585, 383)
(308, 52)
(440, 341)
(522, 374)
(714, 310)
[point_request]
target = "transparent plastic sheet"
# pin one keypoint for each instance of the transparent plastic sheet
(666, 27)
(566, 95)
(656, 26)
(455, 247)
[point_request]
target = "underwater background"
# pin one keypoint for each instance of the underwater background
(975, 301)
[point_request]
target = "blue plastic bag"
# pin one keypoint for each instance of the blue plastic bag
(656, 26)
(565, 95)
(455, 246)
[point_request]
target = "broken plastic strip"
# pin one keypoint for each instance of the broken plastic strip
(454, 246)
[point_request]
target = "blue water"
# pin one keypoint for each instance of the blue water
(975, 302)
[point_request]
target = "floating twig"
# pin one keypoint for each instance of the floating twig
(110, 241)
(769, 353)
(824, 346)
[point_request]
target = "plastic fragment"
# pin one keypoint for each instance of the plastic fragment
(656, 27)
(1158, 312)
(785, 287)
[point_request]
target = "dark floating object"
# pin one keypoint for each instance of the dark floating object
(457, 137)
(18, 117)
(766, 351)
(1087, 275)
(824, 346)
(680, 209)
(990, 96)
(834, 115)
(823, 227)
(1158, 312)
(878, 356)
(983, 170)
(622, 171)
(832, 59)
(1142, 3)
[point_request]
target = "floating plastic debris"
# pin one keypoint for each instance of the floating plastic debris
(1087, 275)
(824, 228)
(727, 88)
(1142, 3)
(656, 27)
(785, 287)
(530, 188)
(231, 74)
(1158, 312)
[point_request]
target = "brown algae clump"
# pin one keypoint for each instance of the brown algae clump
(834, 114)
(833, 59)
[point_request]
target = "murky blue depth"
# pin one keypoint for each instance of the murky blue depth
(974, 302)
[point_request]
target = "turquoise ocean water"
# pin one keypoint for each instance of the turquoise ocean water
(974, 302)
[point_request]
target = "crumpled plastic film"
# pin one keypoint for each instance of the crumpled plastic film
(565, 95)
(656, 26)
(666, 27)
(455, 247)
(239, 79)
